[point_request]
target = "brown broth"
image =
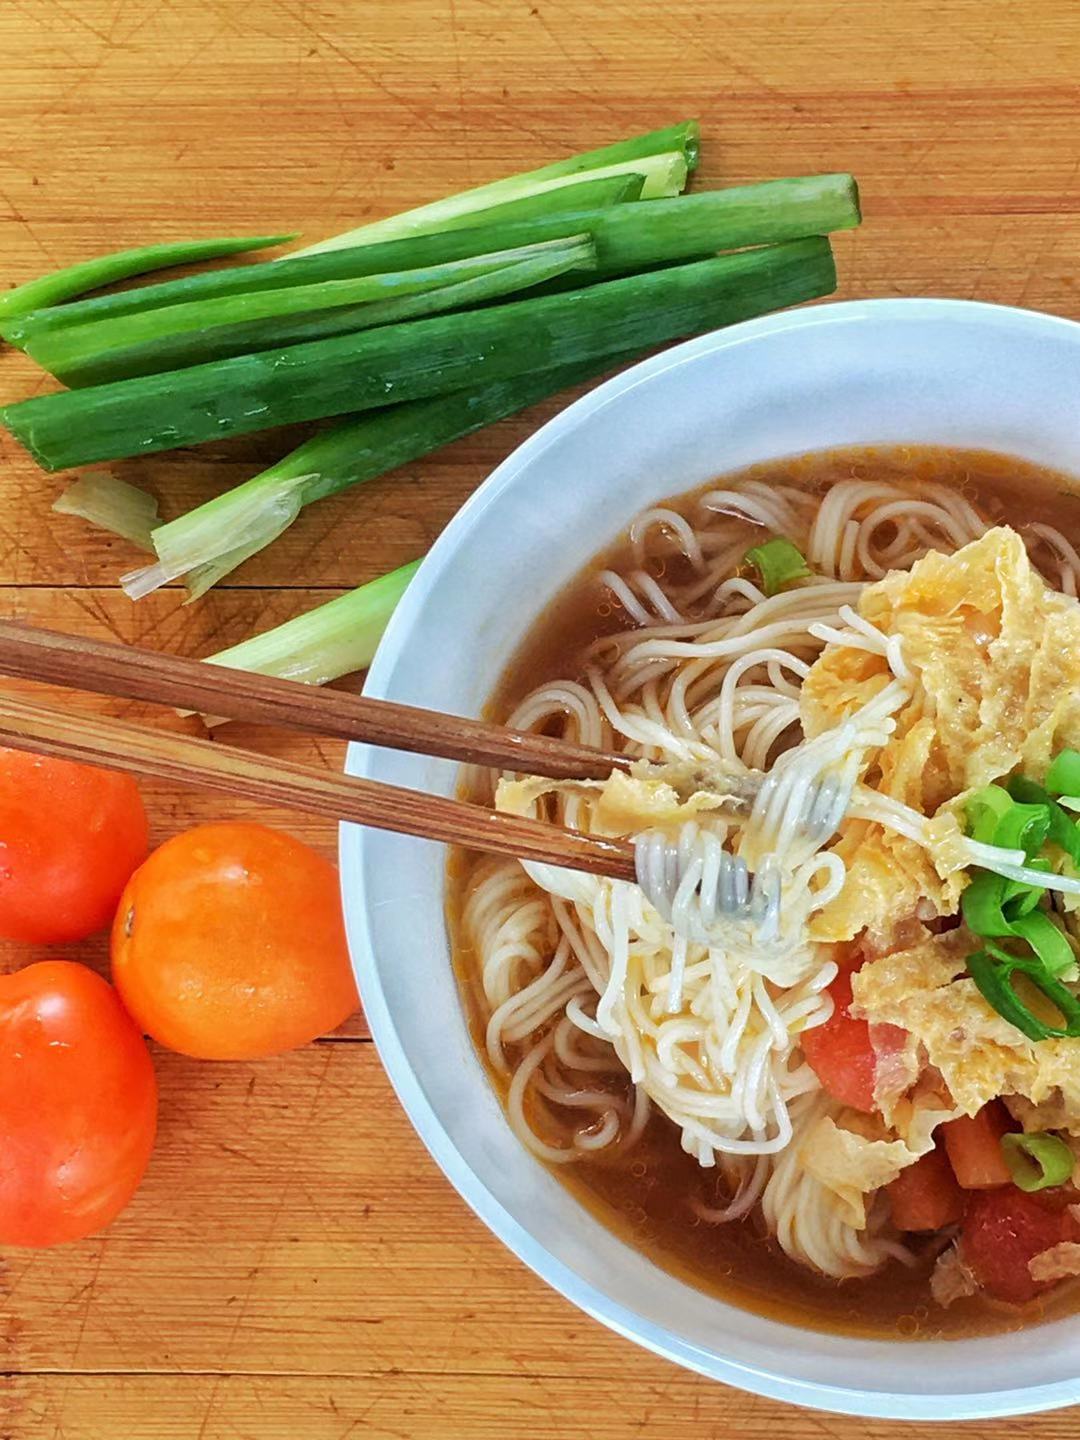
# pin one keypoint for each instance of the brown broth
(643, 1196)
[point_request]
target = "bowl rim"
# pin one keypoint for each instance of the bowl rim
(354, 841)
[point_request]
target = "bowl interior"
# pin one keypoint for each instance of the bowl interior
(929, 372)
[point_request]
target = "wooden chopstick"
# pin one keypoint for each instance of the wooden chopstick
(141, 750)
(107, 668)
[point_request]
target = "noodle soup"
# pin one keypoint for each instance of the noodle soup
(775, 1114)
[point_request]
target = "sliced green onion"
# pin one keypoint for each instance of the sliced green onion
(991, 904)
(627, 238)
(993, 968)
(1063, 776)
(1063, 830)
(985, 809)
(1052, 947)
(996, 908)
(1023, 827)
(1002, 862)
(332, 640)
(1019, 818)
(122, 265)
(664, 157)
(210, 541)
(112, 505)
(424, 357)
(1039, 1161)
(778, 562)
(154, 340)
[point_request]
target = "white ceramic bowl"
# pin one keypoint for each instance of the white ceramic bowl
(930, 371)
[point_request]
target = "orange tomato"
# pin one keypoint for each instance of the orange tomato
(70, 836)
(229, 944)
(78, 1104)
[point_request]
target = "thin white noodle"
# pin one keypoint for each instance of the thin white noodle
(708, 1033)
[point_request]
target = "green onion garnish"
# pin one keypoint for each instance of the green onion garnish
(1063, 777)
(1023, 827)
(996, 817)
(778, 562)
(1048, 942)
(984, 809)
(992, 970)
(991, 905)
(995, 907)
(1063, 829)
(1022, 817)
(1037, 1162)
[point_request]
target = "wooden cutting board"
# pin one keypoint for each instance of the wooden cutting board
(295, 1264)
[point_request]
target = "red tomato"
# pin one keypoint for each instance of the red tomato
(925, 1196)
(840, 1052)
(229, 943)
(1004, 1229)
(70, 836)
(78, 1104)
(973, 1144)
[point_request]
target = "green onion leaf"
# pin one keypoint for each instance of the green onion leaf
(778, 562)
(208, 542)
(108, 269)
(1063, 777)
(1037, 1162)
(992, 970)
(996, 908)
(663, 158)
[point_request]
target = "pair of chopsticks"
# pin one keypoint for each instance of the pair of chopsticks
(104, 668)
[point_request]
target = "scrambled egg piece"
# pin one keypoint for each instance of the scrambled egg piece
(978, 1054)
(662, 797)
(995, 655)
(851, 1166)
(1060, 1262)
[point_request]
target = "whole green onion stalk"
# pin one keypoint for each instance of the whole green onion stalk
(210, 541)
(418, 358)
(325, 643)
(626, 237)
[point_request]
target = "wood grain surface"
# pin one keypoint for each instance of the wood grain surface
(295, 1264)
